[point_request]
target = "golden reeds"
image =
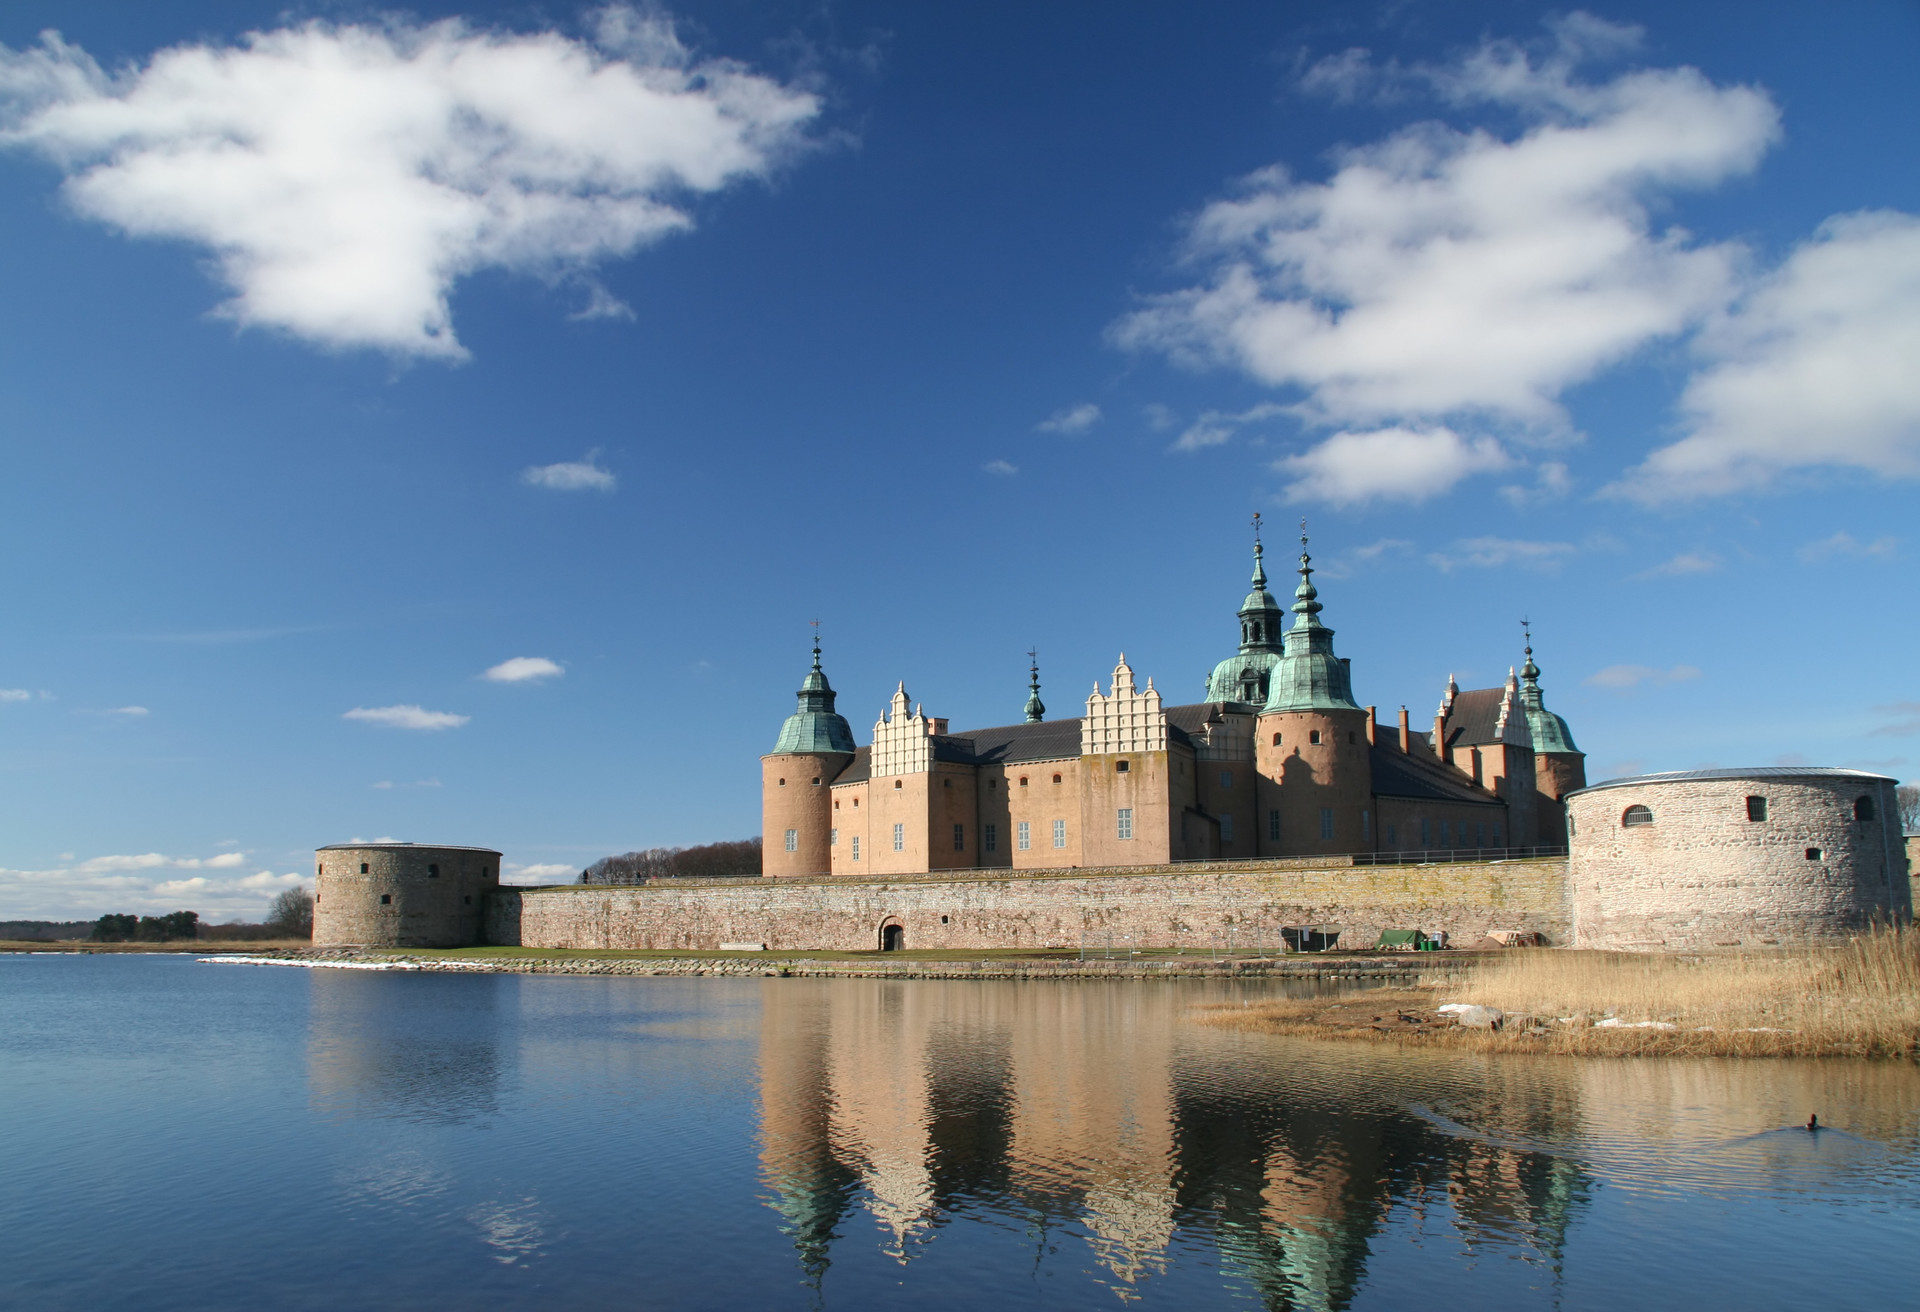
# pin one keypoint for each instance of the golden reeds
(1861, 998)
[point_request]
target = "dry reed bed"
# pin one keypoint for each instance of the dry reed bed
(1858, 999)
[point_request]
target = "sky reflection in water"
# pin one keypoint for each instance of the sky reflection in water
(186, 1135)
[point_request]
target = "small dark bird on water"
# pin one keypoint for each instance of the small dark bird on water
(1813, 1123)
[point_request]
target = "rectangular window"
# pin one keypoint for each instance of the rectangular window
(1496, 833)
(1059, 833)
(1426, 832)
(1479, 834)
(793, 840)
(1366, 826)
(833, 838)
(990, 838)
(1226, 778)
(1226, 829)
(1273, 825)
(1393, 838)
(856, 847)
(900, 838)
(1125, 826)
(1326, 822)
(1023, 836)
(1756, 808)
(959, 838)
(1446, 833)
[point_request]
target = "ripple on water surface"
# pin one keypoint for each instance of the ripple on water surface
(274, 1138)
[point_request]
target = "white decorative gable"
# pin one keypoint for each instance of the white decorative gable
(1512, 724)
(1123, 720)
(902, 743)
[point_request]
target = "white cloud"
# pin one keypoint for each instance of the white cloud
(406, 717)
(345, 177)
(1388, 464)
(15, 695)
(134, 711)
(1551, 482)
(1815, 367)
(524, 669)
(1906, 720)
(1445, 273)
(144, 884)
(1683, 564)
(571, 476)
(1078, 419)
(547, 871)
(1492, 553)
(417, 783)
(1217, 427)
(1001, 467)
(1844, 543)
(1622, 677)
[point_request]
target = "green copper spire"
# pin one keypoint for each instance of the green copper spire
(814, 727)
(1309, 676)
(1243, 677)
(1550, 732)
(1036, 709)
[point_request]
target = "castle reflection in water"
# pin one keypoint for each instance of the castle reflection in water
(1110, 1112)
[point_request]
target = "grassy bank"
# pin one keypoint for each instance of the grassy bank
(1860, 999)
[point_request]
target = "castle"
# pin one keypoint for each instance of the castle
(1278, 761)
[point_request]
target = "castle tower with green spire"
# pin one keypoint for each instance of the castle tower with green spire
(1559, 766)
(1312, 741)
(1243, 677)
(796, 808)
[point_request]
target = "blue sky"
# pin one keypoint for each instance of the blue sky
(347, 356)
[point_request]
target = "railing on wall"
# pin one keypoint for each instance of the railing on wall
(1435, 855)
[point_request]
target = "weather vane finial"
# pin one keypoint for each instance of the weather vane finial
(1256, 526)
(1526, 631)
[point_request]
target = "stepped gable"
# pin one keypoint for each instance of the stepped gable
(1475, 717)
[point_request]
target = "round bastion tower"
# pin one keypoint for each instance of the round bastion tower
(796, 808)
(402, 895)
(1310, 746)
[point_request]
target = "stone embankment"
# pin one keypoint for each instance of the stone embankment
(1403, 970)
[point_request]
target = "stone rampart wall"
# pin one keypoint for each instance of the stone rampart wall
(1161, 907)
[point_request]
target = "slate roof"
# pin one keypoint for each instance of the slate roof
(1396, 774)
(1474, 715)
(1751, 772)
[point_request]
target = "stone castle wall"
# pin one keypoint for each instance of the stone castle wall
(1702, 875)
(1189, 905)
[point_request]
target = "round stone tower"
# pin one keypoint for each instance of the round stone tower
(1697, 859)
(796, 810)
(1310, 744)
(402, 895)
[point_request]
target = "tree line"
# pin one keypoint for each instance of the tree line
(728, 860)
(290, 915)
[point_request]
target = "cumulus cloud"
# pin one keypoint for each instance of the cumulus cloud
(524, 669)
(1492, 553)
(146, 884)
(132, 711)
(344, 177)
(571, 476)
(1622, 677)
(406, 717)
(1814, 367)
(1388, 464)
(1001, 467)
(543, 871)
(1843, 544)
(1551, 481)
(15, 695)
(1077, 419)
(1448, 272)
(1217, 427)
(1683, 564)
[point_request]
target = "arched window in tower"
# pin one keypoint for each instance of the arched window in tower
(1863, 808)
(1635, 816)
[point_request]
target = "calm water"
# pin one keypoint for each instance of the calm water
(188, 1135)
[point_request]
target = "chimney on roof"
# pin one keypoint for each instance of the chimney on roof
(1373, 725)
(1406, 733)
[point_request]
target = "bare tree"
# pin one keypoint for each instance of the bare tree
(291, 913)
(1907, 796)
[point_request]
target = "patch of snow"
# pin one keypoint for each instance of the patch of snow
(310, 965)
(1615, 1023)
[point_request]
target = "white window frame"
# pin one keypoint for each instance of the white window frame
(899, 836)
(1059, 833)
(793, 840)
(1123, 823)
